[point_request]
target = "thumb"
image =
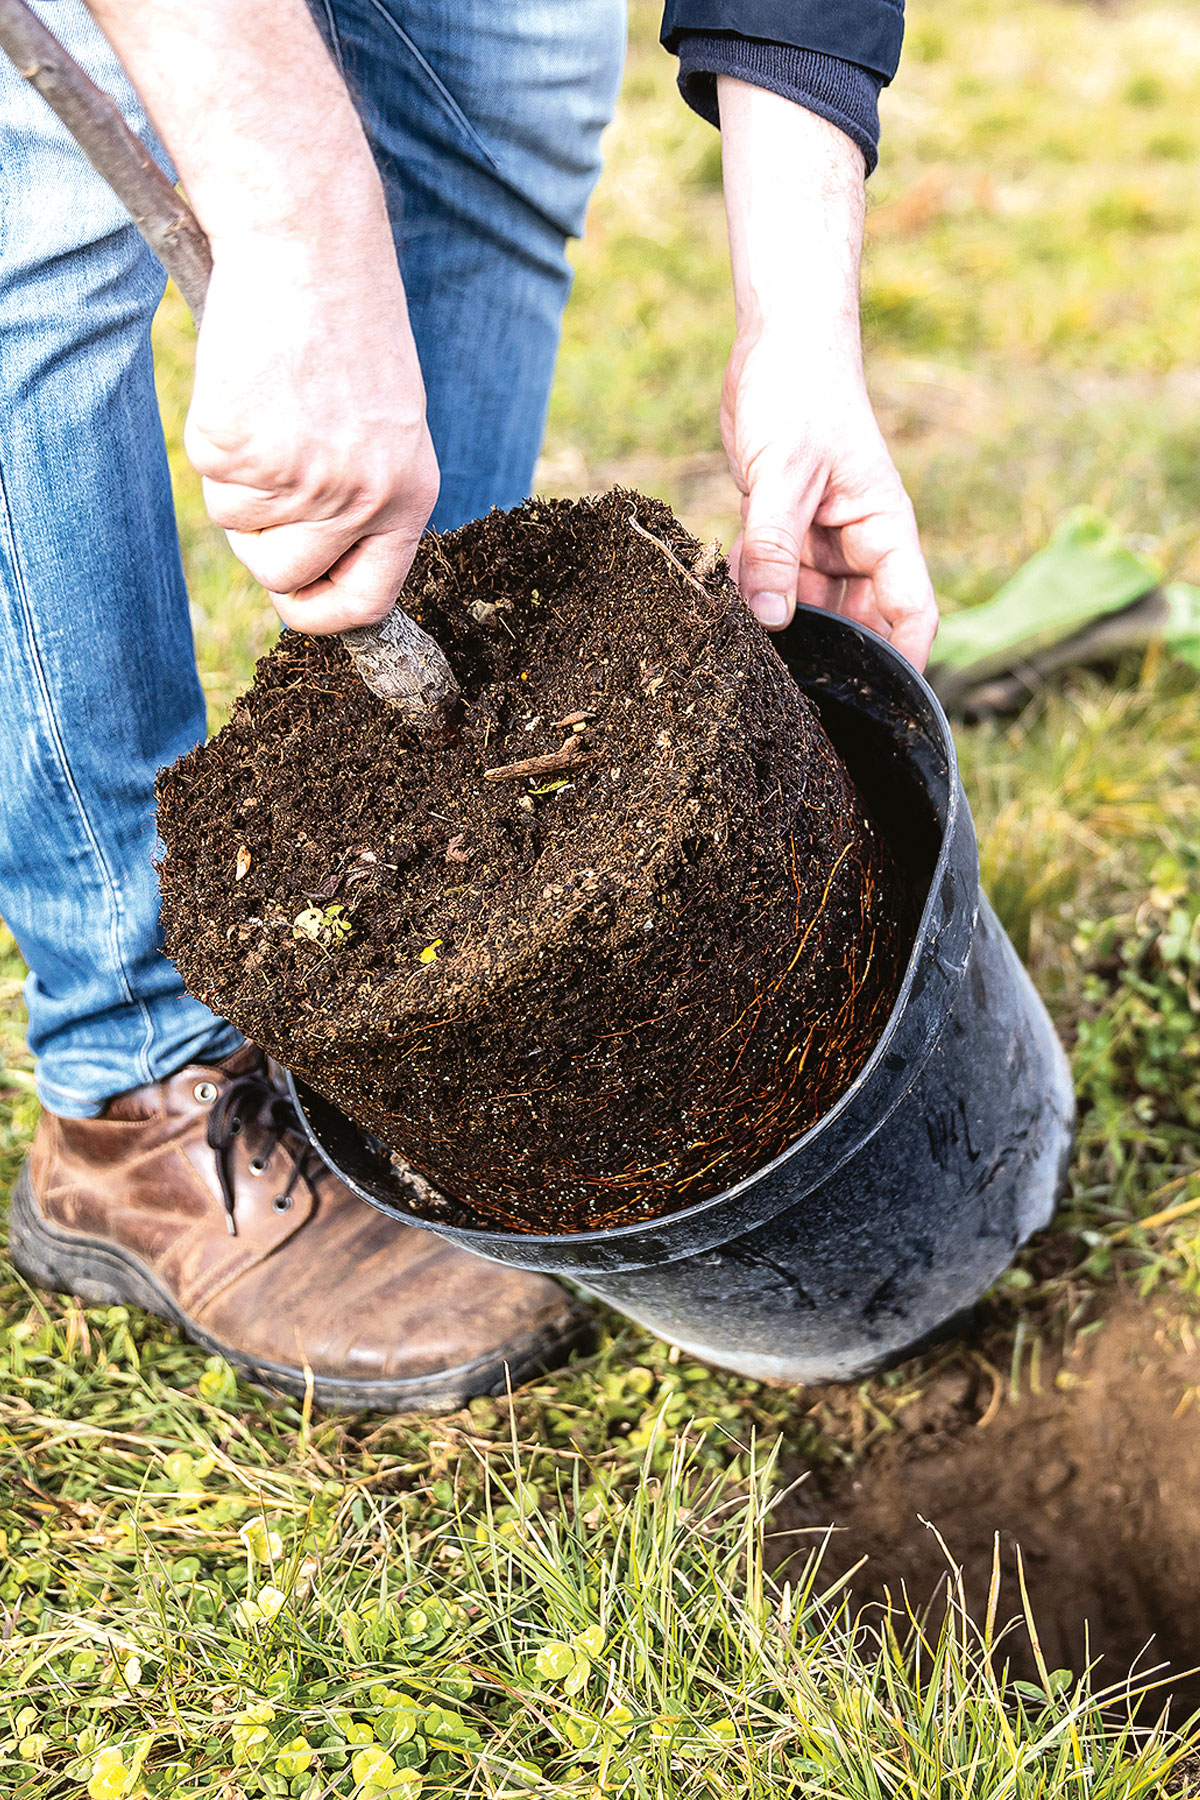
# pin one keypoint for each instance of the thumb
(769, 564)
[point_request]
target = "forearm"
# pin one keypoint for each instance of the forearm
(254, 114)
(794, 196)
(826, 520)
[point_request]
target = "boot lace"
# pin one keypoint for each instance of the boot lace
(254, 1104)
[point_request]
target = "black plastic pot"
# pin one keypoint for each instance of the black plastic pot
(892, 1215)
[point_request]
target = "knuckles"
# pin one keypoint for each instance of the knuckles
(322, 617)
(356, 612)
(362, 506)
(354, 486)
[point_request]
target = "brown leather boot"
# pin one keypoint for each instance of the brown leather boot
(199, 1199)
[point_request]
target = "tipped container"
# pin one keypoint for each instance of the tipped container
(889, 1218)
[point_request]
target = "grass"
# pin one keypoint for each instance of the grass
(205, 1593)
(622, 1639)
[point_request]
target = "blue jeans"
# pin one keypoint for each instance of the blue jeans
(485, 117)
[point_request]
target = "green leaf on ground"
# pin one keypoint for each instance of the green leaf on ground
(1085, 572)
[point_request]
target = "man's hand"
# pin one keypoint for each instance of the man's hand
(308, 416)
(308, 425)
(825, 517)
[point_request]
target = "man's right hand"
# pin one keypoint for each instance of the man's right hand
(308, 415)
(308, 426)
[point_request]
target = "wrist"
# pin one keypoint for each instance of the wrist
(795, 334)
(803, 351)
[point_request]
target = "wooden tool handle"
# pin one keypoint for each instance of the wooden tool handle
(398, 661)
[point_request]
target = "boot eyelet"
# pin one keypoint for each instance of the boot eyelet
(259, 1165)
(205, 1092)
(282, 1203)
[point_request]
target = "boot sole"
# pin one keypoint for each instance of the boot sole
(101, 1274)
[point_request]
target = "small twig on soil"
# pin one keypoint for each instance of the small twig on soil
(571, 752)
(671, 556)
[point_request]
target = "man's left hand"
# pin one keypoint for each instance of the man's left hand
(825, 518)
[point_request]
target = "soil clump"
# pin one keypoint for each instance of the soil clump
(616, 946)
(1096, 1476)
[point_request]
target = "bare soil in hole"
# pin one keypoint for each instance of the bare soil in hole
(619, 944)
(1097, 1478)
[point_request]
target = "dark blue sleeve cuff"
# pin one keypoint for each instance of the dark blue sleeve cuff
(866, 32)
(842, 92)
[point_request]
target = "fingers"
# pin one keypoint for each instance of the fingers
(258, 506)
(894, 599)
(858, 601)
(342, 563)
(292, 557)
(858, 554)
(360, 588)
(776, 521)
(285, 558)
(871, 571)
(905, 598)
(815, 588)
(235, 507)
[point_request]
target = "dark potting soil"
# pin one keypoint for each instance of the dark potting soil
(618, 945)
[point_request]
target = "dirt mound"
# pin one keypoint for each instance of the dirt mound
(621, 943)
(1096, 1477)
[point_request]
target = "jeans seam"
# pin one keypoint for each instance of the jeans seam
(47, 710)
(460, 118)
(335, 39)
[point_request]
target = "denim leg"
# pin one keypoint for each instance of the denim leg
(97, 666)
(485, 117)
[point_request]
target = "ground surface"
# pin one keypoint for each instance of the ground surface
(1094, 1474)
(233, 1598)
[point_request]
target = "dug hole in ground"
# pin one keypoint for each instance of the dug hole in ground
(1086, 1457)
(639, 918)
